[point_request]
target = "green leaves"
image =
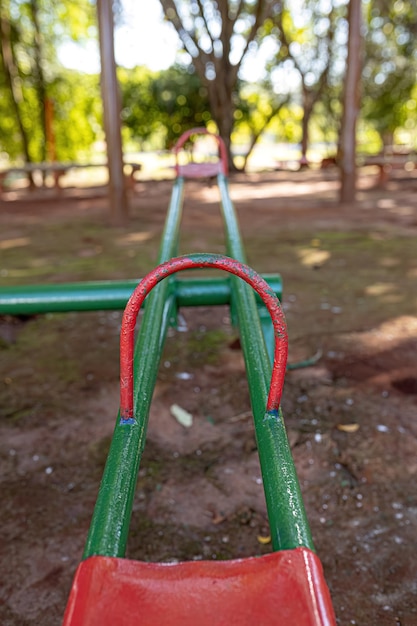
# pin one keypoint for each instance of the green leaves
(31, 77)
(160, 106)
(390, 67)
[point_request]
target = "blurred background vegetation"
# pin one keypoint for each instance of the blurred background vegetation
(50, 112)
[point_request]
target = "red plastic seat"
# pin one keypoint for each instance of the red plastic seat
(200, 170)
(282, 588)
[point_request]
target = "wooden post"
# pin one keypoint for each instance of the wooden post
(351, 104)
(111, 113)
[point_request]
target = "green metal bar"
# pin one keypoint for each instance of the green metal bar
(111, 518)
(215, 291)
(267, 331)
(113, 295)
(86, 296)
(288, 521)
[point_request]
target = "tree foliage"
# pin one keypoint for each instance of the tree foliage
(256, 107)
(307, 35)
(390, 69)
(301, 48)
(217, 34)
(32, 80)
(162, 105)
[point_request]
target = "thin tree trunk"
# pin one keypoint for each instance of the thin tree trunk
(256, 135)
(12, 77)
(351, 103)
(220, 98)
(304, 133)
(40, 77)
(111, 113)
(307, 109)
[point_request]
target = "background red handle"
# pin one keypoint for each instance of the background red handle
(201, 131)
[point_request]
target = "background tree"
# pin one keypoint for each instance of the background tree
(390, 67)
(306, 40)
(38, 76)
(31, 33)
(112, 114)
(217, 35)
(78, 119)
(160, 106)
(256, 108)
(351, 104)
(11, 85)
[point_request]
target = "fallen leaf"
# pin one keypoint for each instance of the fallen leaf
(264, 540)
(181, 415)
(218, 518)
(348, 428)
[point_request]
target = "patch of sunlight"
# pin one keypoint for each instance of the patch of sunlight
(312, 257)
(395, 330)
(25, 273)
(386, 292)
(138, 237)
(385, 203)
(392, 298)
(380, 289)
(39, 262)
(389, 261)
(281, 189)
(209, 194)
(379, 236)
(19, 242)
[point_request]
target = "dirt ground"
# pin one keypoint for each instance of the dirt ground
(350, 297)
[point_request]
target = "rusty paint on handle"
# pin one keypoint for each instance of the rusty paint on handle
(191, 261)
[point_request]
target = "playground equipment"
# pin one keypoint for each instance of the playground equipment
(285, 587)
(281, 588)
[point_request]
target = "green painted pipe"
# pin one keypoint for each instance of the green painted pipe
(111, 518)
(289, 526)
(110, 524)
(113, 295)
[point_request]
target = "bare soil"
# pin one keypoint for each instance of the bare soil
(350, 297)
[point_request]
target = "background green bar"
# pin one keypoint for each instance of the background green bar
(287, 518)
(111, 518)
(110, 524)
(112, 295)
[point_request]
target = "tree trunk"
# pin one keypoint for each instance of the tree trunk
(224, 120)
(220, 95)
(40, 78)
(257, 134)
(12, 77)
(111, 112)
(305, 122)
(212, 61)
(351, 103)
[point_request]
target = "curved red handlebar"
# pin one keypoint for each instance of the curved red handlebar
(193, 170)
(193, 261)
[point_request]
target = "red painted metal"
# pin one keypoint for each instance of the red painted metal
(200, 170)
(190, 262)
(281, 589)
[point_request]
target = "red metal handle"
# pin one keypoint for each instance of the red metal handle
(188, 262)
(209, 169)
